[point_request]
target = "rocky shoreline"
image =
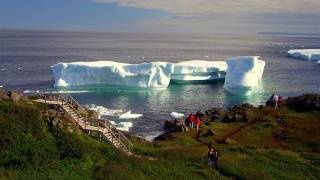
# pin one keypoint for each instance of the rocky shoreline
(239, 113)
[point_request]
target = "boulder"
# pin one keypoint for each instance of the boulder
(210, 133)
(15, 96)
(306, 102)
(3, 95)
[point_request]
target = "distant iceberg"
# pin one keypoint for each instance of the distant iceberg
(318, 62)
(176, 115)
(306, 54)
(148, 75)
(243, 74)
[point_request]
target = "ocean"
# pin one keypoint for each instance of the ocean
(26, 57)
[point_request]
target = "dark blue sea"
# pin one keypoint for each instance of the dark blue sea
(26, 57)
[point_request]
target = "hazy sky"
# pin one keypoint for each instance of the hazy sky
(205, 16)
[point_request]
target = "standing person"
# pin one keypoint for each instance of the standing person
(198, 123)
(275, 99)
(215, 158)
(211, 157)
(191, 120)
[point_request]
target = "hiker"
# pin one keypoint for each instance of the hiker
(275, 100)
(191, 120)
(198, 123)
(213, 158)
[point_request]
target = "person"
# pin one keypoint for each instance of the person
(198, 123)
(275, 100)
(191, 120)
(211, 157)
(215, 158)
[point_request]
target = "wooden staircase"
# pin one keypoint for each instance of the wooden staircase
(106, 130)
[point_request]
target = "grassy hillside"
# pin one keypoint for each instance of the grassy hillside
(33, 148)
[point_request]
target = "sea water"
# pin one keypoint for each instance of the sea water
(26, 57)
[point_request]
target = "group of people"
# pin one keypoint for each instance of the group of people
(194, 119)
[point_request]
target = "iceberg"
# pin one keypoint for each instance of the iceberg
(122, 126)
(155, 74)
(198, 71)
(243, 75)
(148, 75)
(176, 115)
(306, 54)
(318, 62)
(128, 115)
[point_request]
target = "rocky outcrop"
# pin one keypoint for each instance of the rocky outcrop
(238, 113)
(306, 102)
(14, 96)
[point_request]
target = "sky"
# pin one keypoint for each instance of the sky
(191, 16)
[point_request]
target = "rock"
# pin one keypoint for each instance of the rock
(163, 137)
(3, 95)
(15, 96)
(210, 133)
(306, 102)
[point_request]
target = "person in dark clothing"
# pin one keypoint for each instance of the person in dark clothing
(213, 158)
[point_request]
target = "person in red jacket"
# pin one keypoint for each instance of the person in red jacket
(198, 123)
(191, 120)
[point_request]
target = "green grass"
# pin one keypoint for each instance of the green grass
(31, 149)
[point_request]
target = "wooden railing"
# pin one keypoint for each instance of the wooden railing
(101, 123)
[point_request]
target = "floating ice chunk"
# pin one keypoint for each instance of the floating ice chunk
(122, 126)
(243, 75)
(318, 62)
(105, 111)
(176, 115)
(306, 54)
(1, 86)
(128, 115)
(30, 91)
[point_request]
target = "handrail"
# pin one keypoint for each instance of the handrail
(116, 133)
(112, 129)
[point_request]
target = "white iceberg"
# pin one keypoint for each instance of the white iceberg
(318, 62)
(105, 111)
(306, 54)
(155, 74)
(151, 75)
(129, 115)
(243, 75)
(176, 115)
(198, 71)
(122, 126)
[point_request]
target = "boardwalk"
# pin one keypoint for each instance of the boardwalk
(80, 116)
